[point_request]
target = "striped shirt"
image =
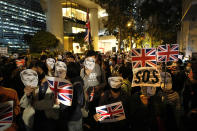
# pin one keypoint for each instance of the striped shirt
(172, 97)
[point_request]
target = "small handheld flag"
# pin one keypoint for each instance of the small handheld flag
(6, 115)
(62, 89)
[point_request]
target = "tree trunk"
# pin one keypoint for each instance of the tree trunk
(119, 43)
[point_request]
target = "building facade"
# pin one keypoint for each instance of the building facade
(188, 34)
(17, 18)
(66, 18)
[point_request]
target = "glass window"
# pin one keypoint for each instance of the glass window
(74, 13)
(77, 30)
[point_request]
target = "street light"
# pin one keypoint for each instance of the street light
(129, 24)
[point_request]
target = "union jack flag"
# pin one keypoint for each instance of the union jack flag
(62, 89)
(111, 113)
(20, 62)
(88, 34)
(92, 94)
(167, 53)
(6, 115)
(143, 57)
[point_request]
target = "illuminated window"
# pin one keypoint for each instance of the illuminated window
(77, 30)
(74, 13)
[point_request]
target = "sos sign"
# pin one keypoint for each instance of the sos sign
(146, 77)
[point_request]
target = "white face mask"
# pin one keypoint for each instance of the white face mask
(50, 62)
(59, 57)
(60, 69)
(89, 63)
(29, 77)
(115, 82)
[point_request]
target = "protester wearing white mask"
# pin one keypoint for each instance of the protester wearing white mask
(50, 63)
(115, 83)
(112, 95)
(92, 73)
(29, 78)
(38, 101)
(94, 79)
(89, 63)
(60, 69)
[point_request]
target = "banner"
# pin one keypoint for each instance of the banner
(167, 53)
(6, 115)
(62, 89)
(143, 57)
(146, 77)
(111, 113)
(3, 50)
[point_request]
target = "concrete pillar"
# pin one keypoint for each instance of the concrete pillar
(186, 34)
(54, 20)
(94, 27)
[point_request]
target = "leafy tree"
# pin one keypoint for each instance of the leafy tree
(27, 38)
(163, 18)
(119, 14)
(79, 38)
(43, 40)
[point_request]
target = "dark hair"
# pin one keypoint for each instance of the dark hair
(43, 57)
(70, 55)
(40, 64)
(90, 53)
(73, 70)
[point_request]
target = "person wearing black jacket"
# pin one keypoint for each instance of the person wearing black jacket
(72, 116)
(113, 95)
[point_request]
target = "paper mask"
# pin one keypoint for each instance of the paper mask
(89, 63)
(50, 62)
(60, 69)
(29, 77)
(115, 82)
(59, 57)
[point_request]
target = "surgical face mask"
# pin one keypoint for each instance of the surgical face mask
(115, 82)
(89, 63)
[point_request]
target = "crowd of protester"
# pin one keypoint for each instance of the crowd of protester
(172, 106)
